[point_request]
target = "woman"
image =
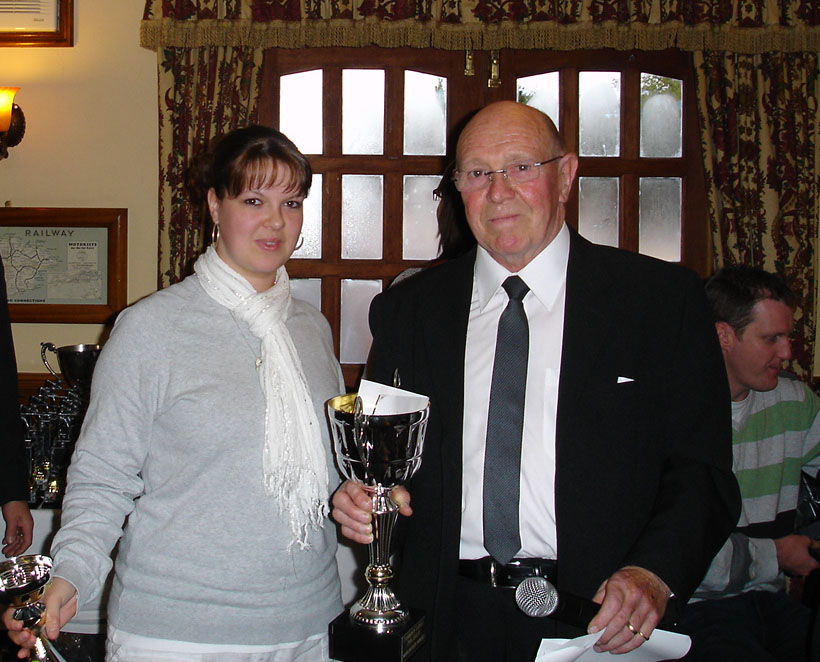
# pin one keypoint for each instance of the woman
(206, 435)
(454, 235)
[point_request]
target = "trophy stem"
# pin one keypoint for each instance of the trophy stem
(379, 609)
(31, 616)
(385, 514)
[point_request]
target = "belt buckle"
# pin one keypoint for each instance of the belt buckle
(493, 570)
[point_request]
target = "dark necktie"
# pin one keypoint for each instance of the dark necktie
(505, 425)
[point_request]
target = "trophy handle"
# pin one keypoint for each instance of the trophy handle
(48, 347)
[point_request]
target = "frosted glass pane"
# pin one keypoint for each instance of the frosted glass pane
(300, 110)
(355, 332)
(362, 217)
(598, 209)
(307, 289)
(362, 111)
(599, 110)
(420, 229)
(661, 120)
(312, 222)
(425, 114)
(540, 91)
(659, 225)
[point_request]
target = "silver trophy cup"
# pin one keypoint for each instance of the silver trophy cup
(76, 363)
(23, 581)
(379, 452)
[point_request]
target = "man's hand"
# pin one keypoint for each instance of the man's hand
(793, 555)
(353, 510)
(60, 600)
(633, 601)
(19, 528)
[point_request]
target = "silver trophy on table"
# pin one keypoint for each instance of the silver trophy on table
(53, 417)
(76, 363)
(379, 451)
(23, 581)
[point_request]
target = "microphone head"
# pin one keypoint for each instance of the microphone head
(536, 597)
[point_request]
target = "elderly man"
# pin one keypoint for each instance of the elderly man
(741, 610)
(577, 426)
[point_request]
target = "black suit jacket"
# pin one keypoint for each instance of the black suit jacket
(13, 484)
(644, 467)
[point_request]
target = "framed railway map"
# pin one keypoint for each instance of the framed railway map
(64, 265)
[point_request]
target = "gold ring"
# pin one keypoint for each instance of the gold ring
(635, 630)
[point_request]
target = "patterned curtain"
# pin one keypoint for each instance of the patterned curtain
(748, 26)
(761, 139)
(203, 92)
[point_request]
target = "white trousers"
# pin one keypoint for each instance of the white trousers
(313, 650)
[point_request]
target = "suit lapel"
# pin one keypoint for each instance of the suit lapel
(445, 336)
(444, 340)
(588, 317)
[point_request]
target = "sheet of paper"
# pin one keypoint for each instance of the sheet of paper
(662, 645)
(383, 400)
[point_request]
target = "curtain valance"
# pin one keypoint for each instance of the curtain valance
(750, 26)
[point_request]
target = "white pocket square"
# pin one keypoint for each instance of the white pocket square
(625, 380)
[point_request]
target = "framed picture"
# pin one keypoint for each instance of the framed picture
(43, 23)
(64, 265)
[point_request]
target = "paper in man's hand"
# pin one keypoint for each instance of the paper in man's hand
(379, 399)
(662, 645)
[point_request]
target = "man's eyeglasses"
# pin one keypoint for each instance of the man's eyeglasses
(514, 174)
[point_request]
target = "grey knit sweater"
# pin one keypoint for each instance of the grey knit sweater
(172, 446)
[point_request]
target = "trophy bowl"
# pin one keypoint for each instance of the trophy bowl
(379, 452)
(376, 450)
(23, 581)
(76, 362)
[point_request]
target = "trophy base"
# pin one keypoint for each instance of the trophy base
(353, 643)
(382, 622)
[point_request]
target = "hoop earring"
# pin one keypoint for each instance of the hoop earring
(299, 243)
(214, 234)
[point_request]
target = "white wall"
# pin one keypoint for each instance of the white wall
(91, 141)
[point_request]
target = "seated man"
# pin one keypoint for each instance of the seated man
(741, 610)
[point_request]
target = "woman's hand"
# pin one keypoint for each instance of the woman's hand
(353, 510)
(60, 600)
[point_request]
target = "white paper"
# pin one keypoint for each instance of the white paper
(662, 645)
(382, 400)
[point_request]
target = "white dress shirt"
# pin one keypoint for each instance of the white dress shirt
(546, 276)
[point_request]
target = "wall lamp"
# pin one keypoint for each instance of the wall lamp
(12, 121)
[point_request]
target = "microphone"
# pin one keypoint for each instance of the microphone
(537, 597)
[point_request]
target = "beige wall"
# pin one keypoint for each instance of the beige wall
(91, 141)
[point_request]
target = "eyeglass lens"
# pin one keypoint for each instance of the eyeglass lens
(517, 173)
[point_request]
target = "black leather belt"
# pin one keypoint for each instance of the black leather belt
(491, 572)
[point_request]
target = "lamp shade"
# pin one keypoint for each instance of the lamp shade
(6, 100)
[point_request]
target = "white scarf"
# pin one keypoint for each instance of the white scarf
(293, 459)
